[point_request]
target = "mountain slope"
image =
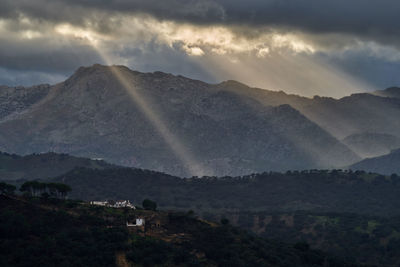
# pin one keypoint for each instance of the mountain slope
(370, 145)
(41, 166)
(376, 112)
(16, 99)
(386, 164)
(170, 123)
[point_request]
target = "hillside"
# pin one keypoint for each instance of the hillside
(169, 123)
(326, 191)
(368, 239)
(41, 166)
(370, 145)
(35, 232)
(386, 164)
(14, 100)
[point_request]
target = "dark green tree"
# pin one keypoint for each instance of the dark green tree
(7, 189)
(224, 221)
(63, 189)
(29, 187)
(149, 204)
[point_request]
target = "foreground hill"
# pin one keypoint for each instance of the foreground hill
(35, 232)
(369, 239)
(167, 123)
(386, 164)
(326, 191)
(41, 166)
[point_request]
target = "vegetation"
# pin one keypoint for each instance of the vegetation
(35, 188)
(366, 239)
(33, 236)
(149, 204)
(7, 189)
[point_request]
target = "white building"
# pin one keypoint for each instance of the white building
(138, 222)
(123, 204)
(114, 204)
(99, 203)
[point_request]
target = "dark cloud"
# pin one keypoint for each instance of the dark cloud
(331, 25)
(379, 73)
(370, 18)
(45, 54)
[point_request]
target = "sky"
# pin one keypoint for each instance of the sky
(307, 47)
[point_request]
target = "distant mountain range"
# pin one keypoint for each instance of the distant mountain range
(187, 127)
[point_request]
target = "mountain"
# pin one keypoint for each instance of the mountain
(41, 166)
(372, 144)
(316, 190)
(168, 123)
(375, 112)
(386, 164)
(389, 92)
(39, 232)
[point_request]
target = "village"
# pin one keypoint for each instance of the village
(137, 220)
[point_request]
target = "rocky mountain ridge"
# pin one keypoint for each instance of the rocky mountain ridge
(168, 123)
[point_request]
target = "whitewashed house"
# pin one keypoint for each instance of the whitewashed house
(123, 204)
(114, 204)
(138, 222)
(99, 203)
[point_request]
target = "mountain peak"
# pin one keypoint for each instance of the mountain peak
(98, 68)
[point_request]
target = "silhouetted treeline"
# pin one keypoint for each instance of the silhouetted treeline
(36, 188)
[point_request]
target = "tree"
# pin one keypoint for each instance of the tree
(149, 204)
(46, 190)
(28, 187)
(63, 189)
(224, 221)
(7, 189)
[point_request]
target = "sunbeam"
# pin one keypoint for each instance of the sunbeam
(291, 73)
(190, 163)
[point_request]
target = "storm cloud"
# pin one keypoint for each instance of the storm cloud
(355, 38)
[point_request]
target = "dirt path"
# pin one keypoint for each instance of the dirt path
(121, 260)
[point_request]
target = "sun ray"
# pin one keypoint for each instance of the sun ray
(190, 163)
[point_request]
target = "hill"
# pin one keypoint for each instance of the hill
(41, 166)
(326, 191)
(386, 164)
(35, 232)
(369, 239)
(168, 123)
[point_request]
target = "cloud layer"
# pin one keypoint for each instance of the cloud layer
(357, 42)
